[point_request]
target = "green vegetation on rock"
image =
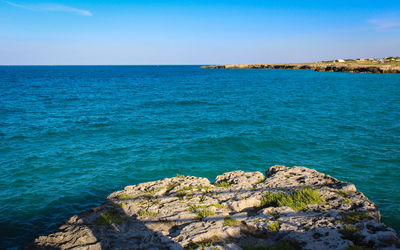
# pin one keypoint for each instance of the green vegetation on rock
(260, 180)
(298, 200)
(153, 191)
(228, 221)
(217, 205)
(125, 197)
(342, 193)
(348, 201)
(203, 213)
(352, 217)
(274, 214)
(146, 213)
(121, 205)
(350, 232)
(110, 217)
(199, 245)
(180, 195)
(194, 207)
(190, 187)
(274, 226)
(171, 186)
(224, 184)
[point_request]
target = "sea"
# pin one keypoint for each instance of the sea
(71, 135)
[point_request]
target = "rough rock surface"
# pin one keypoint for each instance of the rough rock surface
(190, 212)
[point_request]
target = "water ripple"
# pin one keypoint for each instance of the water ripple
(71, 135)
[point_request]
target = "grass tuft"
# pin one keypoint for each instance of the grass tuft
(217, 205)
(348, 201)
(146, 213)
(192, 208)
(153, 191)
(180, 195)
(260, 180)
(195, 207)
(172, 186)
(203, 213)
(190, 187)
(275, 215)
(121, 205)
(228, 221)
(274, 226)
(297, 200)
(125, 197)
(200, 245)
(110, 217)
(342, 193)
(353, 217)
(224, 184)
(204, 187)
(350, 232)
(147, 196)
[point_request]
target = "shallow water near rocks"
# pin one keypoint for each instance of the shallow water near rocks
(70, 135)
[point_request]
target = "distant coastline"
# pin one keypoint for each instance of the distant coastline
(383, 66)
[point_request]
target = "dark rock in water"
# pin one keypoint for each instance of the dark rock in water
(293, 208)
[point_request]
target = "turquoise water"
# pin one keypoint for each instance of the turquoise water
(71, 135)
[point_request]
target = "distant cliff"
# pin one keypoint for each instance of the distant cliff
(289, 208)
(353, 67)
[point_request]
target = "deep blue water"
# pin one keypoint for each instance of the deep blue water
(70, 135)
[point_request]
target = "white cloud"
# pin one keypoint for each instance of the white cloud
(389, 24)
(50, 7)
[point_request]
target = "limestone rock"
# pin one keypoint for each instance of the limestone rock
(289, 207)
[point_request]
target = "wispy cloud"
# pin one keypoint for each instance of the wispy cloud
(385, 24)
(49, 7)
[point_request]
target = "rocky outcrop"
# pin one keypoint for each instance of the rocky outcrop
(333, 67)
(288, 208)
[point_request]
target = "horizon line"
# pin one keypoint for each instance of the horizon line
(12, 65)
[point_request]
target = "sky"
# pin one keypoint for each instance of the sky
(156, 32)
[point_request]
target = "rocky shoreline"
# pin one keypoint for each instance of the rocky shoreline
(287, 208)
(331, 67)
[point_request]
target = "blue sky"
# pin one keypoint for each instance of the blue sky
(195, 32)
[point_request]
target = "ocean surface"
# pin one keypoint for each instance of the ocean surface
(70, 135)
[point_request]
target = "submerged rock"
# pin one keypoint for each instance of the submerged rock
(290, 208)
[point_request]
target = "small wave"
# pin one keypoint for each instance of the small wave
(17, 137)
(191, 102)
(177, 103)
